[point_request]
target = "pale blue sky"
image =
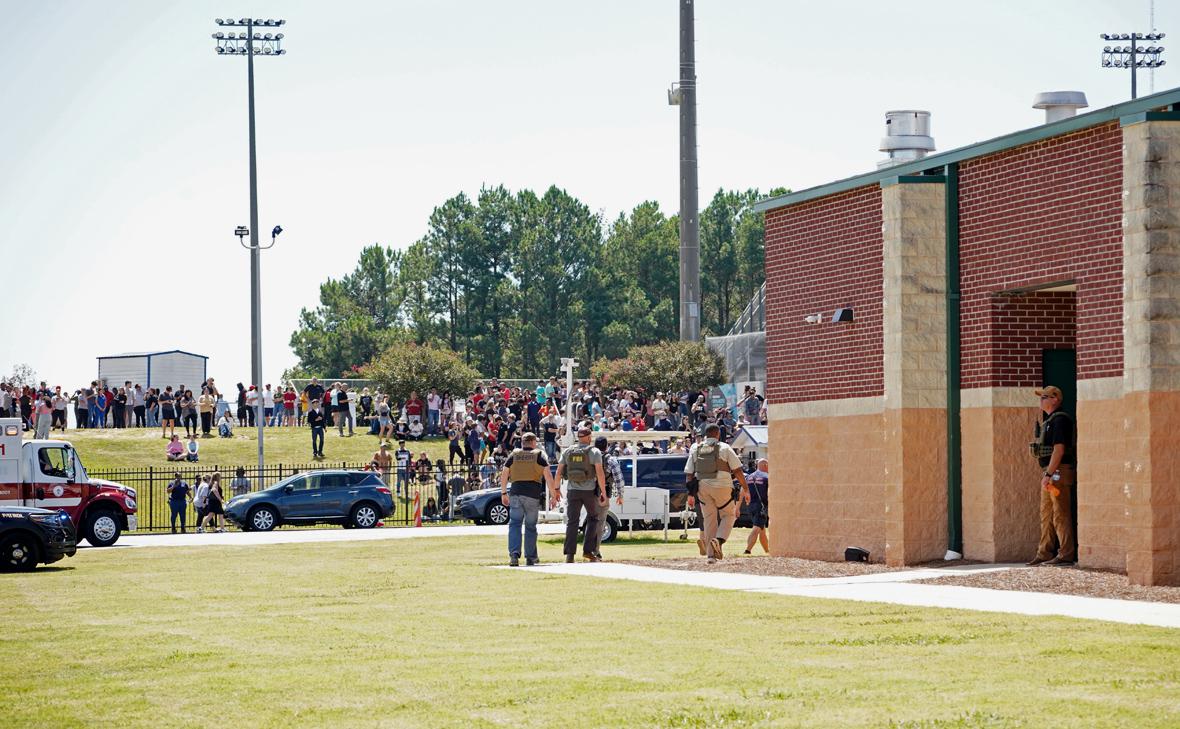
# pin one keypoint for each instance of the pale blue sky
(123, 135)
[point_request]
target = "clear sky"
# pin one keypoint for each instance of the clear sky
(123, 168)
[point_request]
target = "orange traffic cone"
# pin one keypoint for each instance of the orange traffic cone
(418, 510)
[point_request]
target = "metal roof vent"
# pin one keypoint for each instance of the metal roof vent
(907, 137)
(1059, 105)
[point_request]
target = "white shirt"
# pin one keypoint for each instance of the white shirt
(251, 398)
(433, 402)
(268, 399)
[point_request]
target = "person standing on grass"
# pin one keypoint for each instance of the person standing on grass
(528, 472)
(384, 421)
(289, 398)
(205, 405)
(168, 412)
(581, 467)
(383, 462)
(240, 485)
(710, 469)
(759, 481)
(44, 417)
(403, 456)
(251, 405)
(200, 498)
(179, 496)
(268, 406)
(343, 410)
(315, 420)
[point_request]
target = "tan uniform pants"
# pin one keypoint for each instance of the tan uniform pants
(1057, 519)
(717, 515)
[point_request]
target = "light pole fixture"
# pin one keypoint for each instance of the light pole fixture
(243, 40)
(1133, 56)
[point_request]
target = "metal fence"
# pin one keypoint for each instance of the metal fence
(413, 488)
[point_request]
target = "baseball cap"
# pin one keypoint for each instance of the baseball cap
(1049, 391)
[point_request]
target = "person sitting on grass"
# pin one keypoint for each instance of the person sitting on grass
(192, 448)
(225, 426)
(175, 449)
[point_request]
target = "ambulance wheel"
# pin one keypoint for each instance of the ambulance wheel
(18, 553)
(497, 514)
(102, 528)
(262, 519)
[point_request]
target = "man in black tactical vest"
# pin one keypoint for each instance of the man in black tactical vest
(581, 466)
(1057, 455)
(710, 472)
(528, 471)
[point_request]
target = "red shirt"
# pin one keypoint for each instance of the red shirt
(414, 407)
(289, 400)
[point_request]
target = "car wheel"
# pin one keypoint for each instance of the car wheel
(497, 514)
(364, 515)
(610, 530)
(18, 553)
(102, 528)
(262, 519)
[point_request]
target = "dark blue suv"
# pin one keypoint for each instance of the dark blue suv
(350, 498)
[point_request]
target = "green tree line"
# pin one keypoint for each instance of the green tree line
(514, 281)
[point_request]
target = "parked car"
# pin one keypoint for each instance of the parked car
(350, 498)
(31, 536)
(482, 506)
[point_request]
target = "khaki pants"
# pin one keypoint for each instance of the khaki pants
(1057, 519)
(717, 516)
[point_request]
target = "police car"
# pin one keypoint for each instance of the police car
(30, 536)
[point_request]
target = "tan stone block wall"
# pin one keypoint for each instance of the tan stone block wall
(1000, 484)
(1153, 487)
(827, 488)
(915, 486)
(1102, 466)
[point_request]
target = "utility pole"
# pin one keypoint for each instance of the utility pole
(568, 365)
(249, 44)
(684, 95)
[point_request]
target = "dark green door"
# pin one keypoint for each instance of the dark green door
(1059, 367)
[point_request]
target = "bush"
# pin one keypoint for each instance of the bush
(666, 367)
(403, 368)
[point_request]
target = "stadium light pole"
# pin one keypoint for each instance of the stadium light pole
(246, 42)
(1133, 56)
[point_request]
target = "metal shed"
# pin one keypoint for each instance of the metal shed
(154, 369)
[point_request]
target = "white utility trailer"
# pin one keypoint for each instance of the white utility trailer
(640, 503)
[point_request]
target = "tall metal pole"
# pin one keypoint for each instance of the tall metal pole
(690, 242)
(1134, 65)
(255, 295)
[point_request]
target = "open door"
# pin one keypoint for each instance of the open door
(1059, 367)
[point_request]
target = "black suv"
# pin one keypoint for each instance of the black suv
(29, 537)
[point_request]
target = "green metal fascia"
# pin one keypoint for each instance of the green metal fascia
(1149, 116)
(912, 180)
(954, 435)
(979, 149)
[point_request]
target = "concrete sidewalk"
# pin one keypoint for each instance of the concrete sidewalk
(895, 588)
(327, 534)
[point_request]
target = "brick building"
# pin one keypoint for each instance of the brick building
(905, 430)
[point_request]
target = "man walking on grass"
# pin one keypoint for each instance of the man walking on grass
(528, 472)
(315, 419)
(581, 466)
(711, 469)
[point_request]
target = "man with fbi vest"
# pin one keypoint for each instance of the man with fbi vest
(581, 466)
(710, 471)
(528, 472)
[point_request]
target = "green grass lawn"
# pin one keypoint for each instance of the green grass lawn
(421, 633)
(136, 448)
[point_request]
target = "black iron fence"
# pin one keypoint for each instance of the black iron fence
(433, 490)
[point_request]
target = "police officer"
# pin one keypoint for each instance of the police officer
(581, 466)
(1057, 455)
(528, 471)
(710, 471)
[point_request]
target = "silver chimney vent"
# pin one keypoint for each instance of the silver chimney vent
(907, 137)
(1059, 105)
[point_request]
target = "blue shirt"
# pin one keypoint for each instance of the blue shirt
(759, 482)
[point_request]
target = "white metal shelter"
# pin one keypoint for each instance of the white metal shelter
(154, 369)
